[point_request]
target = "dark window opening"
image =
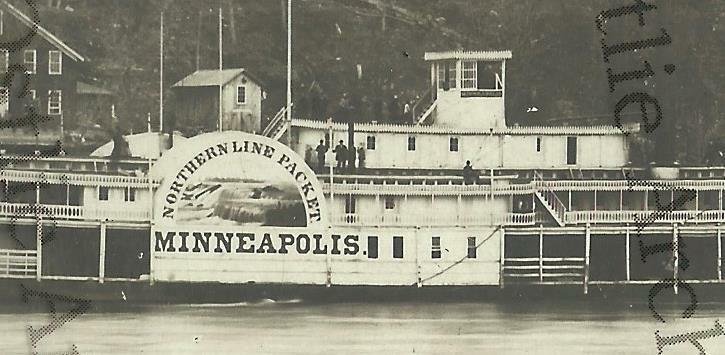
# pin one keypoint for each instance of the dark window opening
(453, 144)
(349, 204)
(488, 75)
(411, 143)
(389, 202)
(538, 144)
(372, 247)
(129, 194)
(435, 251)
(103, 193)
(571, 150)
(371, 143)
(398, 247)
(472, 247)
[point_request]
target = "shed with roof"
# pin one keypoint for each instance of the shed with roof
(241, 100)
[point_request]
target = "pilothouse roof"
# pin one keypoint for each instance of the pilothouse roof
(472, 55)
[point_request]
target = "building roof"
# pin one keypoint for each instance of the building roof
(214, 77)
(475, 55)
(47, 35)
(446, 130)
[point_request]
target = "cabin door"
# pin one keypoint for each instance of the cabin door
(571, 150)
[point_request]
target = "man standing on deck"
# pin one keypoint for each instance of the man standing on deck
(321, 150)
(341, 154)
(468, 174)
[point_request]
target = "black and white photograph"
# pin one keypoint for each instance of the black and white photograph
(362, 177)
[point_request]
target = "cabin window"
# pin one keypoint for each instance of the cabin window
(55, 63)
(30, 61)
(398, 247)
(453, 144)
(447, 75)
(468, 75)
(389, 202)
(103, 193)
(411, 143)
(571, 150)
(241, 94)
(129, 194)
(538, 144)
(372, 247)
(349, 204)
(435, 251)
(489, 76)
(5, 58)
(371, 143)
(55, 102)
(472, 247)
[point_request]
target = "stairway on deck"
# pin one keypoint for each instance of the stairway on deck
(549, 200)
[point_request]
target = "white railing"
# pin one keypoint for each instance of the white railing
(644, 216)
(401, 220)
(427, 189)
(25, 210)
(18, 263)
(75, 179)
(616, 185)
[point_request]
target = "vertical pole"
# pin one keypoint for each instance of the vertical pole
(37, 193)
(675, 251)
(621, 202)
(502, 258)
(289, 73)
(67, 194)
(328, 262)
(102, 254)
(719, 253)
(646, 200)
(161, 74)
(569, 201)
(627, 251)
(38, 248)
(418, 280)
(221, 66)
(151, 227)
(541, 252)
(587, 249)
(503, 89)
(332, 180)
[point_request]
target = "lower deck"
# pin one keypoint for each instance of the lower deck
(454, 256)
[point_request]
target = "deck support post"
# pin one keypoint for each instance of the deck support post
(675, 260)
(38, 248)
(328, 266)
(418, 280)
(541, 253)
(587, 247)
(102, 254)
(627, 250)
(719, 253)
(502, 257)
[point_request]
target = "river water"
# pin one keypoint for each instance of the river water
(296, 326)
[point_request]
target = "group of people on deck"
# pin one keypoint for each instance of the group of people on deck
(346, 158)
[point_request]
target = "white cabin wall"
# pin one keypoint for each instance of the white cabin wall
(469, 112)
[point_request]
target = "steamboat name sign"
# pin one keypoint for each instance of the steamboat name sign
(235, 178)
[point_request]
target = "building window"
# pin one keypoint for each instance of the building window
(5, 58)
(435, 251)
(411, 143)
(371, 143)
(30, 61)
(453, 144)
(55, 63)
(389, 202)
(447, 75)
(103, 193)
(372, 247)
(349, 204)
(468, 75)
(472, 248)
(398, 247)
(129, 194)
(55, 102)
(538, 144)
(241, 94)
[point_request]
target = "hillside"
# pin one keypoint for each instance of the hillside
(557, 65)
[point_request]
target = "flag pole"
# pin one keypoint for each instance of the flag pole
(161, 75)
(289, 73)
(221, 65)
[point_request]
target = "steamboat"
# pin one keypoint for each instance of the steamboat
(455, 199)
